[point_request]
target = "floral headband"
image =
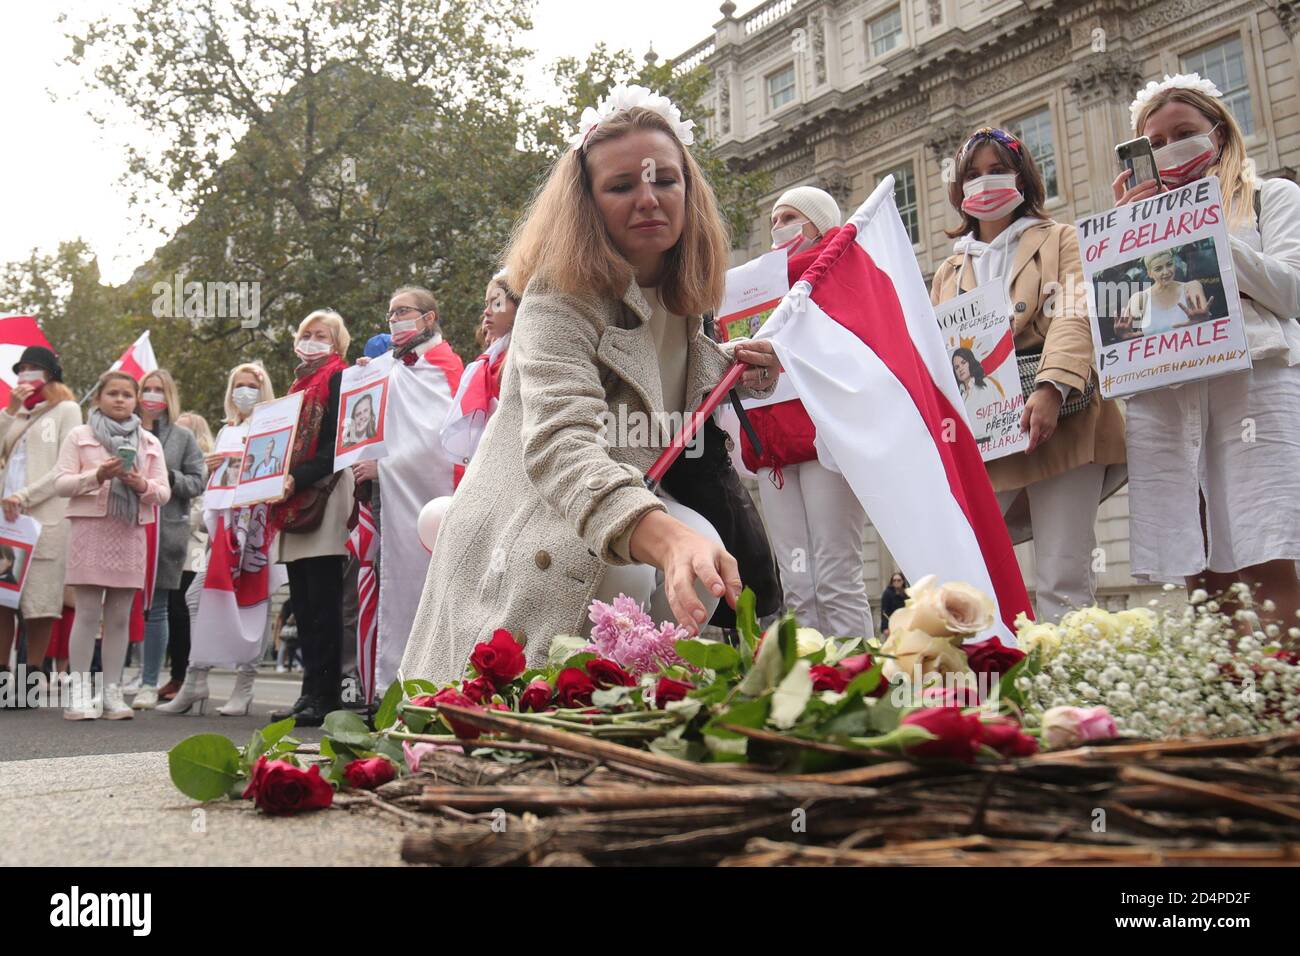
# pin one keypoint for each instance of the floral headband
(1179, 81)
(987, 133)
(622, 98)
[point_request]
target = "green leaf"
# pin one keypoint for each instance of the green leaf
(392, 749)
(792, 696)
(838, 649)
(386, 715)
(578, 660)
(564, 646)
(746, 621)
(273, 733)
(767, 669)
(850, 723)
(708, 655)
(204, 767)
(900, 738)
(787, 631)
(346, 727)
(866, 682)
(418, 687)
(883, 715)
(749, 713)
(255, 747)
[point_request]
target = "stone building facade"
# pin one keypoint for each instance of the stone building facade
(840, 93)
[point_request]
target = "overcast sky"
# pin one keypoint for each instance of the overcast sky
(60, 170)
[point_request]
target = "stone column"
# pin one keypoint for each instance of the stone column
(1103, 85)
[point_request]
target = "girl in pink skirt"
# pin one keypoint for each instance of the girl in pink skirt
(113, 470)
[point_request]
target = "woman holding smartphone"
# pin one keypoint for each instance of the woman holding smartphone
(115, 473)
(1189, 454)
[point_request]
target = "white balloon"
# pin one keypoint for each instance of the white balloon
(430, 520)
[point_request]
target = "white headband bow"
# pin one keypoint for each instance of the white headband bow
(623, 98)
(1179, 81)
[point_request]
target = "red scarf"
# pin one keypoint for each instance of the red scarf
(35, 398)
(314, 383)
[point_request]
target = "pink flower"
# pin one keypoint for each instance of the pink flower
(1065, 727)
(623, 633)
(415, 752)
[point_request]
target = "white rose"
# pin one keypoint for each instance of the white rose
(911, 649)
(808, 641)
(948, 610)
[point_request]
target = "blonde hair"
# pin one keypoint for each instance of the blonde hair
(263, 384)
(1236, 173)
(424, 299)
(334, 323)
(199, 426)
(1147, 260)
(170, 392)
(562, 240)
(108, 377)
(56, 392)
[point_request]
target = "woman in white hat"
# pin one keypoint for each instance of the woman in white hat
(815, 521)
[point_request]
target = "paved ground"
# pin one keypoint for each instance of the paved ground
(91, 793)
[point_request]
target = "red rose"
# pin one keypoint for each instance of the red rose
(368, 774)
(668, 689)
(573, 687)
(535, 696)
(279, 788)
(851, 667)
(607, 674)
(450, 695)
(1005, 736)
(991, 656)
(424, 700)
(825, 677)
(479, 690)
(500, 660)
(957, 735)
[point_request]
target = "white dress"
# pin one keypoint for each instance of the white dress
(1232, 440)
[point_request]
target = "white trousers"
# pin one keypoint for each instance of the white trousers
(1063, 514)
(817, 524)
(645, 583)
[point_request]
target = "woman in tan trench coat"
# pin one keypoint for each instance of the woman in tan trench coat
(619, 253)
(1072, 462)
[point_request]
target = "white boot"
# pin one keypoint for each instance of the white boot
(147, 699)
(81, 699)
(193, 691)
(241, 698)
(115, 707)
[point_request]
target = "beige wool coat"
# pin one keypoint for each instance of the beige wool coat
(548, 501)
(1049, 311)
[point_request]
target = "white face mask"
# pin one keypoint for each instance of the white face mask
(991, 197)
(31, 377)
(308, 349)
(245, 397)
(1186, 160)
(403, 330)
(153, 401)
(791, 237)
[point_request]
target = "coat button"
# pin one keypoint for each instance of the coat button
(595, 483)
(1020, 306)
(543, 560)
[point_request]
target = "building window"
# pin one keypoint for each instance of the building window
(780, 89)
(1225, 64)
(1035, 131)
(885, 32)
(905, 199)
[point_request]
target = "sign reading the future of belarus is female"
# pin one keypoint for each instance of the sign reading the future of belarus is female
(978, 335)
(1161, 291)
(265, 465)
(363, 404)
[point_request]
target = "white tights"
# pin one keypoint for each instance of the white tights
(113, 606)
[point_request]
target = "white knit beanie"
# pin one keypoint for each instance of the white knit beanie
(818, 205)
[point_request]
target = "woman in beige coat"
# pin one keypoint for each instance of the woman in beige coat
(1072, 462)
(619, 253)
(42, 411)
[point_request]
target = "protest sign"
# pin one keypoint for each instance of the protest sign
(224, 477)
(1161, 291)
(978, 335)
(17, 540)
(265, 465)
(753, 292)
(363, 405)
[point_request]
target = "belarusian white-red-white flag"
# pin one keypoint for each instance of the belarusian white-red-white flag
(16, 333)
(230, 623)
(138, 360)
(858, 338)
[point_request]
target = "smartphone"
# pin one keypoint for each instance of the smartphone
(1136, 156)
(128, 457)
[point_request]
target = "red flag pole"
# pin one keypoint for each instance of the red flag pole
(693, 425)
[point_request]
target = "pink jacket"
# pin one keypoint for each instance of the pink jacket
(81, 456)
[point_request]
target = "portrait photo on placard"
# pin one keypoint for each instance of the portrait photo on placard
(14, 556)
(362, 418)
(267, 455)
(225, 474)
(1160, 292)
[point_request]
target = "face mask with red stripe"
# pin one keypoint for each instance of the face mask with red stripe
(991, 197)
(1186, 160)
